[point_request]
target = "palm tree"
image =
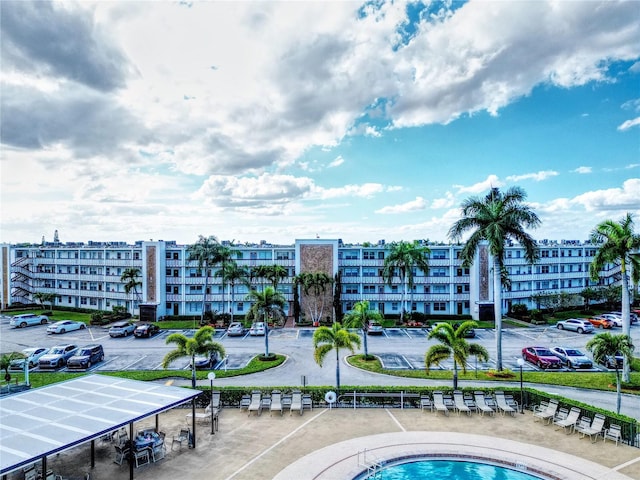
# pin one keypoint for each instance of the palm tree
(206, 251)
(259, 272)
(200, 344)
(618, 245)
(453, 344)
(5, 363)
(401, 260)
(607, 345)
(225, 255)
(268, 303)
(497, 218)
(314, 285)
(359, 317)
(275, 273)
(234, 274)
(130, 276)
(43, 297)
(326, 339)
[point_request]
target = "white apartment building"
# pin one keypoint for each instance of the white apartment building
(88, 276)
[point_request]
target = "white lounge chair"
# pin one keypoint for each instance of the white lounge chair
(256, 403)
(503, 406)
(614, 432)
(569, 423)
(426, 403)
(545, 411)
(459, 405)
(594, 429)
(202, 416)
(276, 402)
(438, 403)
(482, 405)
(296, 403)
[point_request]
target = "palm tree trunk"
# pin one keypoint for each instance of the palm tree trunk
(337, 369)
(204, 297)
(232, 298)
(497, 312)
(455, 375)
(626, 321)
(266, 335)
(618, 392)
(364, 338)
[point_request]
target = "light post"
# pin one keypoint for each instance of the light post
(521, 364)
(211, 376)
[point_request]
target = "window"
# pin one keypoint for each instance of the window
(168, 272)
(394, 306)
(439, 307)
(414, 306)
(168, 289)
(351, 288)
(176, 256)
(240, 306)
(544, 254)
(439, 254)
(282, 255)
(195, 288)
(554, 253)
(544, 269)
(440, 288)
(438, 272)
(458, 288)
(370, 289)
(351, 272)
(351, 255)
(369, 255)
(394, 289)
(176, 290)
(83, 300)
(369, 272)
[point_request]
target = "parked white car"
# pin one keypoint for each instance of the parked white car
(28, 319)
(572, 357)
(614, 318)
(64, 326)
(257, 329)
(575, 324)
(32, 355)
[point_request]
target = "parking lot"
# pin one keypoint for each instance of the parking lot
(397, 348)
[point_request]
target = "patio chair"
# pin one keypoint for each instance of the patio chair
(545, 411)
(481, 404)
(286, 401)
(276, 402)
(426, 403)
(215, 400)
(594, 429)
(183, 436)
(142, 457)
(256, 403)
(438, 403)
(307, 401)
(266, 402)
(122, 452)
(470, 402)
(159, 449)
(245, 401)
(201, 416)
(512, 402)
(614, 432)
(569, 423)
(459, 405)
(296, 403)
(503, 406)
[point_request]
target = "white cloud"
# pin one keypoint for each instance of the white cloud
(537, 177)
(492, 181)
(337, 162)
(628, 124)
(583, 169)
(612, 199)
(445, 202)
(366, 190)
(417, 204)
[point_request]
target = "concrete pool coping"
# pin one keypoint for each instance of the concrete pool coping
(348, 459)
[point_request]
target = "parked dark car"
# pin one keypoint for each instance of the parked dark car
(542, 357)
(85, 357)
(611, 362)
(207, 361)
(146, 330)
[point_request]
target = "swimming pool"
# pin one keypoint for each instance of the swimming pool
(419, 468)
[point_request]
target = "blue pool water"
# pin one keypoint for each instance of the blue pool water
(448, 469)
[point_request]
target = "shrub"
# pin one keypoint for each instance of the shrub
(519, 309)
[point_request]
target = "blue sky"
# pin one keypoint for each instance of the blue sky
(281, 120)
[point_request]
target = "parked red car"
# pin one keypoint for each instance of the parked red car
(542, 357)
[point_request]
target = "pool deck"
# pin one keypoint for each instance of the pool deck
(323, 444)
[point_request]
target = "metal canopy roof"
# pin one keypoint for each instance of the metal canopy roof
(40, 422)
